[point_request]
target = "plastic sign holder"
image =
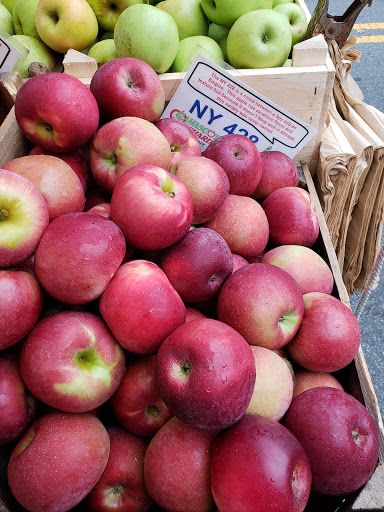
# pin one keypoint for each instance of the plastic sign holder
(215, 102)
(12, 53)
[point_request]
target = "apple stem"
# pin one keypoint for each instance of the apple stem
(3, 214)
(186, 368)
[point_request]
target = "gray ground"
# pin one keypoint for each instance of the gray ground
(369, 75)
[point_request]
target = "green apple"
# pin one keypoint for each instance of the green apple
(9, 4)
(107, 35)
(38, 52)
(217, 32)
(226, 12)
(64, 25)
(6, 20)
(287, 63)
(24, 13)
(189, 16)
(186, 54)
(259, 39)
(296, 18)
(103, 51)
(147, 33)
(107, 11)
(278, 2)
(223, 46)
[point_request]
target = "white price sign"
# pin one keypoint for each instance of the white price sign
(215, 103)
(9, 55)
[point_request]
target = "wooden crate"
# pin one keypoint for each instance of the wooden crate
(355, 377)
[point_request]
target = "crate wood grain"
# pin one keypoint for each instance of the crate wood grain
(358, 382)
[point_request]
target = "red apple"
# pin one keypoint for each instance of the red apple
(103, 209)
(197, 265)
(56, 180)
(153, 208)
(193, 314)
(339, 436)
(205, 371)
(238, 261)
(263, 303)
(58, 461)
(242, 222)
(141, 307)
(75, 159)
(124, 143)
(71, 361)
(128, 87)
(207, 182)
(278, 171)
(177, 468)
(258, 462)
(181, 139)
(77, 256)
(308, 268)
(121, 487)
(21, 305)
(17, 405)
(329, 335)
(137, 404)
(57, 112)
(305, 379)
(240, 159)
(23, 218)
(291, 217)
(272, 394)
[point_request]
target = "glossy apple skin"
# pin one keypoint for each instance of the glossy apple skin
(58, 461)
(240, 159)
(137, 404)
(177, 467)
(242, 222)
(339, 436)
(75, 159)
(272, 394)
(128, 87)
(22, 304)
(124, 143)
(17, 406)
(305, 379)
(121, 487)
(207, 182)
(291, 217)
(238, 261)
(198, 265)
(71, 361)
(56, 180)
(329, 335)
(141, 307)
(57, 112)
(205, 371)
(258, 460)
(22, 201)
(103, 209)
(78, 255)
(278, 171)
(153, 208)
(193, 314)
(263, 303)
(308, 268)
(181, 138)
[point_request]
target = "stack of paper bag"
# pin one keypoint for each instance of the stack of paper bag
(350, 173)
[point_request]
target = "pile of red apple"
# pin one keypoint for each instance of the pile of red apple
(168, 333)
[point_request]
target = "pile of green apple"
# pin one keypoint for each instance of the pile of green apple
(165, 34)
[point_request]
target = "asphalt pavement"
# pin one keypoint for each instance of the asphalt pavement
(368, 73)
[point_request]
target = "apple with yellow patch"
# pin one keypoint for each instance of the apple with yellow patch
(71, 361)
